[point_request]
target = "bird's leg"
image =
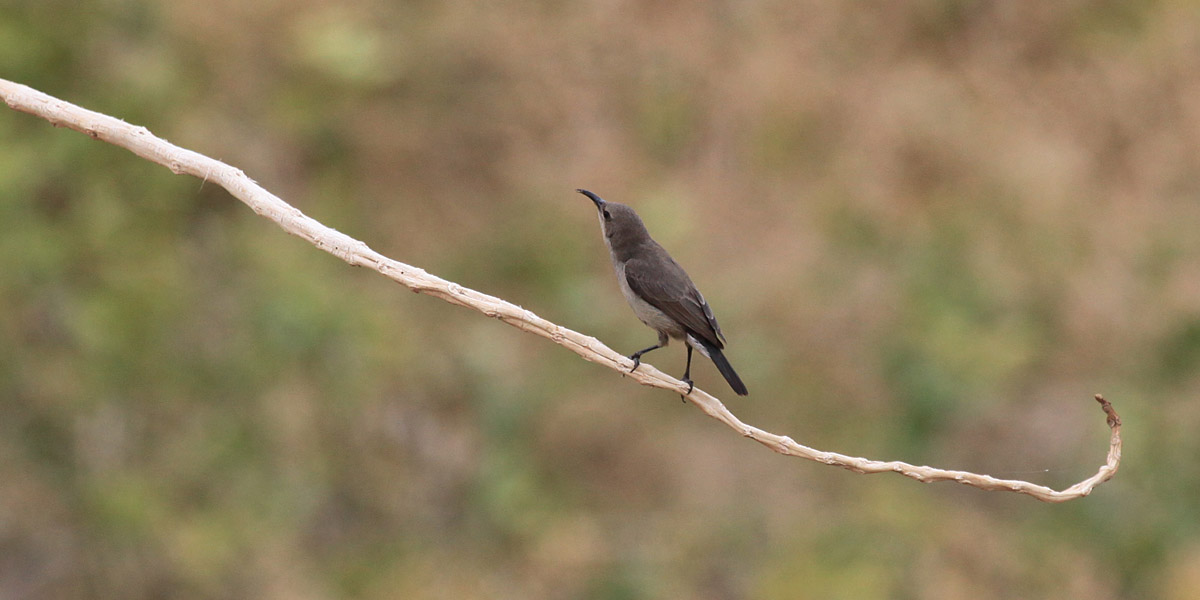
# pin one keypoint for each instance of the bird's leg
(636, 357)
(687, 374)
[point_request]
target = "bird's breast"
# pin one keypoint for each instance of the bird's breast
(646, 312)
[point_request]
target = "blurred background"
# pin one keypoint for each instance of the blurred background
(931, 230)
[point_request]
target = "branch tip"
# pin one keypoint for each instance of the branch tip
(1114, 420)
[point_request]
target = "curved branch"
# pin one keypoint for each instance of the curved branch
(140, 141)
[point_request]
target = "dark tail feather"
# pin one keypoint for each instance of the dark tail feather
(726, 370)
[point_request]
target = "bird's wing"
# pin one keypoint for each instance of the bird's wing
(674, 294)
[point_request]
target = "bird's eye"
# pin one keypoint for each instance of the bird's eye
(607, 215)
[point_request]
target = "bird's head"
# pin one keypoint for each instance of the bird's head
(618, 222)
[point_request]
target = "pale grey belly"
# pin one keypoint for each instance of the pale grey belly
(647, 313)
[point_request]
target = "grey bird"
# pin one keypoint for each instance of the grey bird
(660, 292)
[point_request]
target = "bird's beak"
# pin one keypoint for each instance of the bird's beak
(597, 199)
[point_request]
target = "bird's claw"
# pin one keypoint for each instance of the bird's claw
(691, 386)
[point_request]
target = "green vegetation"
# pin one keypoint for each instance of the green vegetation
(932, 231)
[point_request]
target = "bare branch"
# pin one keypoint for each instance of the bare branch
(140, 141)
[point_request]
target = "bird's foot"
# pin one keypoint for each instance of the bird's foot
(637, 360)
(691, 386)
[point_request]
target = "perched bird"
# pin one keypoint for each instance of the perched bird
(660, 292)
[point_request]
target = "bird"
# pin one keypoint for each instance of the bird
(660, 291)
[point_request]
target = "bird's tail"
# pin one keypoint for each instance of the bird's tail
(726, 369)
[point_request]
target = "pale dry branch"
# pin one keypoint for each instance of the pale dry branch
(140, 141)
